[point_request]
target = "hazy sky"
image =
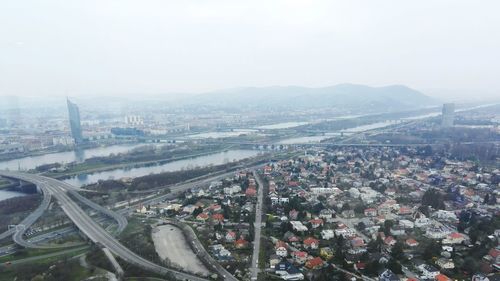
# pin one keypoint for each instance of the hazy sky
(124, 47)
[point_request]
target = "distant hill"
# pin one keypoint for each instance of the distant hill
(350, 96)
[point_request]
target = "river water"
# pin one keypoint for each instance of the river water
(5, 194)
(216, 135)
(284, 125)
(348, 131)
(190, 163)
(32, 162)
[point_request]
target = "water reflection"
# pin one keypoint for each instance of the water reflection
(80, 155)
(200, 161)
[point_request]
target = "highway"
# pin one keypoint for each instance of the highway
(20, 230)
(120, 219)
(30, 220)
(178, 188)
(254, 270)
(7, 233)
(91, 228)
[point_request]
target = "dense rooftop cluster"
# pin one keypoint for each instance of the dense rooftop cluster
(382, 212)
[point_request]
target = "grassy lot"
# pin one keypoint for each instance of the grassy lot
(80, 168)
(28, 253)
(146, 279)
(4, 183)
(57, 267)
(135, 225)
(137, 237)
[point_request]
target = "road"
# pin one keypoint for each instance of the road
(254, 270)
(408, 273)
(19, 231)
(120, 219)
(362, 277)
(91, 228)
(30, 220)
(178, 188)
(48, 236)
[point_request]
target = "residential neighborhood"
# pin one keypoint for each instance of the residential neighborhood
(364, 214)
(381, 213)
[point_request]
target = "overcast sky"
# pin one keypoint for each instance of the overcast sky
(123, 47)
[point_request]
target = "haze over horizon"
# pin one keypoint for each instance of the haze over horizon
(445, 49)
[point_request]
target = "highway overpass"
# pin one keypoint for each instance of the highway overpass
(20, 229)
(59, 191)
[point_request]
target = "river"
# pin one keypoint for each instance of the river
(190, 163)
(309, 139)
(284, 125)
(216, 135)
(353, 130)
(31, 162)
(5, 194)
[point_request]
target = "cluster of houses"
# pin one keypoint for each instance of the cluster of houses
(363, 195)
(328, 207)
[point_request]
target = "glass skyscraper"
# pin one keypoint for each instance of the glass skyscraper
(74, 122)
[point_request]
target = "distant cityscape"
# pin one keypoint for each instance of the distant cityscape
(235, 195)
(250, 140)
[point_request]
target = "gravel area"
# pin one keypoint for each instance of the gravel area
(171, 245)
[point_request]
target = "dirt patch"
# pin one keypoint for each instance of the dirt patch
(171, 245)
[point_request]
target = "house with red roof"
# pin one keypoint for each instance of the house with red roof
(357, 242)
(251, 192)
(442, 277)
(290, 237)
(202, 217)
(314, 263)
(411, 242)
(241, 243)
(315, 223)
(389, 241)
(370, 212)
(454, 238)
(360, 266)
(404, 210)
(311, 243)
(230, 236)
(281, 249)
(218, 217)
(299, 257)
(493, 255)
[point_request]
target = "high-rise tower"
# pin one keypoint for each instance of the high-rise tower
(448, 116)
(74, 122)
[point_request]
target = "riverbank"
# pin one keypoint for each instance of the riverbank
(85, 168)
(190, 163)
(34, 160)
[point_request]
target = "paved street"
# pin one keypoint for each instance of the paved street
(254, 270)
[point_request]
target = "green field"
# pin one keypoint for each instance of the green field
(58, 265)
